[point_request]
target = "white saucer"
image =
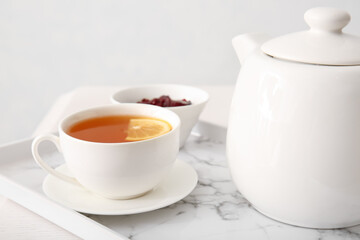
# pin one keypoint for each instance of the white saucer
(179, 183)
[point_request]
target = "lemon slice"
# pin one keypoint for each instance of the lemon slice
(145, 128)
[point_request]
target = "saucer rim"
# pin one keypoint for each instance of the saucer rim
(160, 204)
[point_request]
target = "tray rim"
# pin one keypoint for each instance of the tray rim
(72, 221)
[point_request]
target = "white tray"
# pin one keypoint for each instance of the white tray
(214, 210)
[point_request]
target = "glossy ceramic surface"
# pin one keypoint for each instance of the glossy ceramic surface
(178, 184)
(324, 43)
(116, 170)
(293, 138)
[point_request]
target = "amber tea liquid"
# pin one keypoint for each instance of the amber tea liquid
(106, 129)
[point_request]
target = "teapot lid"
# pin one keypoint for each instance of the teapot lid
(324, 43)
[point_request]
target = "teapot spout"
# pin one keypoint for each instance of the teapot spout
(245, 44)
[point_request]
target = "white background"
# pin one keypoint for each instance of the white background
(49, 47)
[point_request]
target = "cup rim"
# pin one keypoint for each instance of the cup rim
(204, 94)
(175, 126)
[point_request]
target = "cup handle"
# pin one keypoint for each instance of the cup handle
(55, 140)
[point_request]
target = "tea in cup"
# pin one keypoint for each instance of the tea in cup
(117, 151)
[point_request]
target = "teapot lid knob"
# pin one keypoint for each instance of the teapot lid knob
(327, 19)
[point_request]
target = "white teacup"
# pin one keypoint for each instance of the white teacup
(189, 114)
(115, 170)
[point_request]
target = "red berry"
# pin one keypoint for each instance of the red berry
(165, 101)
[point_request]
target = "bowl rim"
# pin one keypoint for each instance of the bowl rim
(204, 95)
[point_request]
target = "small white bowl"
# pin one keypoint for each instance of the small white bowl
(188, 114)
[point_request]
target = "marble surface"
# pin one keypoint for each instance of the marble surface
(214, 210)
(17, 222)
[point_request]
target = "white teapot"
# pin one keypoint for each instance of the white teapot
(293, 142)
